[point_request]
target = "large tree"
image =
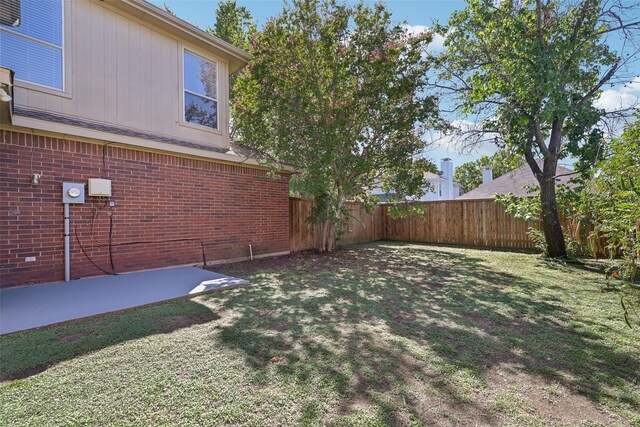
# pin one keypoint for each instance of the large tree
(234, 24)
(337, 91)
(528, 71)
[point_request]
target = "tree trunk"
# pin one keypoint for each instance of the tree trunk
(551, 226)
(327, 237)
(329, 230)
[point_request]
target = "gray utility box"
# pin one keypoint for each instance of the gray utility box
(72, 192)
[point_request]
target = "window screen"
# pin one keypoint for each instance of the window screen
(200, 91)
(32, 46)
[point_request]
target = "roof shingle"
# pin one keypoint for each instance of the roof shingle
(514, 182)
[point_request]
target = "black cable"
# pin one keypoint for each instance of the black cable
(33, 147)
(142, 242)
(111, 240)
(89, 258)
(204, 258)
(139, 242)
(104, 160)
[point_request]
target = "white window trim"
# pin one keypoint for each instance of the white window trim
(61, 48)
(184, 90)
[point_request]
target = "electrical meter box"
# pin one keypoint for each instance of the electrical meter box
(72, 192)
(99, 187)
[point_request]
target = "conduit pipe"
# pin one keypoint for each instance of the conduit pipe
(72, 192)
(67, 255)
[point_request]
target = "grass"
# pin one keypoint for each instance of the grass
(377, 334)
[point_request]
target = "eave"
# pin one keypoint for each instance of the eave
(147, 12)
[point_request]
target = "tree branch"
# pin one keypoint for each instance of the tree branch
(537, 135)
(621, 27)
(597, 87)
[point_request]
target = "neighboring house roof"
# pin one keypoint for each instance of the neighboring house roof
(514, 182)
(383, 198)
(431, 175)
(148, 12)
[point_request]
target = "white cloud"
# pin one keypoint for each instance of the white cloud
(618, 99)
(632, 86)
(436, 45)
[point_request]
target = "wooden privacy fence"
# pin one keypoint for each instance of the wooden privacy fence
(304, 235)
(457, 222)
(460, 222)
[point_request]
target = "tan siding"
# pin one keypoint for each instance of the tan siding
(35, 99)
(223, 99)
(97, 74)
(123, 72)
(110, 65)
(53, 103)
(145, 64)
(136, 76)
(84, 90)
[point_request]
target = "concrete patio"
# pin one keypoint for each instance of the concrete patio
(35, 306)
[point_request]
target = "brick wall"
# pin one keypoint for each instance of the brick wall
(159, 197)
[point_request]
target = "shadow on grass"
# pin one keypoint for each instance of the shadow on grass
(24, 354)
(404, 332)
(430, 314)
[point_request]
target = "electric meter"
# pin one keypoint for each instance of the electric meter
(72, 192)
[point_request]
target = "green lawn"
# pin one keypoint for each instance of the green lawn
(377, 334)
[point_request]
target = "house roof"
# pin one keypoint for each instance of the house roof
(514, 182)
(236, 153)
(431, 175)
(147, 12)
(438, 176)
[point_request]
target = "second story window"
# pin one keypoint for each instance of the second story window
(32, 45)
(200, 91)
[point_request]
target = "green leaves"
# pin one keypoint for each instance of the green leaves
(614, 199)
(234, 24)
(529, 71)
(338, 92)
(541, 61)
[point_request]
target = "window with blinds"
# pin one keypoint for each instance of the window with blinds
(32, 45)
(200, 91)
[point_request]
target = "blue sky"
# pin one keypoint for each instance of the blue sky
(419, 13)
(415, 12)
